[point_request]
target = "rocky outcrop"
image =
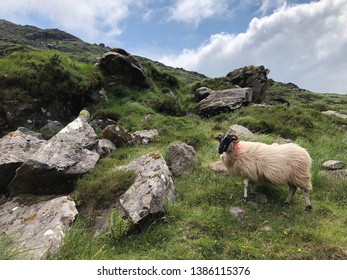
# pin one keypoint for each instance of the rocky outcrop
(254, 77)
(224, 101)
(15, 148)
(37, 225)
(202, 92)
(54, 166)
(333, 164)
(122, 68)
(152, 189)
(181, 158)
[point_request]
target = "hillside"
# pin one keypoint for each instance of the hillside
(62, 80)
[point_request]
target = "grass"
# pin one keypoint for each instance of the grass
(199, 225)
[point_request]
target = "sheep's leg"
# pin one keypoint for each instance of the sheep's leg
(292, 190)
(307, 200)
(245, 189)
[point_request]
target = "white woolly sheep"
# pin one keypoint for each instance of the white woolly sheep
(287, 164)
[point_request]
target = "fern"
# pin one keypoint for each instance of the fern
(118, 226)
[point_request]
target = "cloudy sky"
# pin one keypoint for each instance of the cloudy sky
(299, 41)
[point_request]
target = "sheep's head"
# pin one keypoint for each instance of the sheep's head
(226, 142)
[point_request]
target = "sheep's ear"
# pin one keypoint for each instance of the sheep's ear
(219, 137)
(235, 138)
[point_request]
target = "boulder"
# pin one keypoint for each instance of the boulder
(181, 158)
(105, 147)
(15, 148)
(51, 128)
(60, 160)
(145, 136)
(123, 68)
(202, 92)
(336, 114)
(224, 101)
(101, 124)
(254, 77)
(333, 164)
(239, 130)
(37, 225)
(152, 189)
(118, 135)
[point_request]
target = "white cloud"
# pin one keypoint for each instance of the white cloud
(194, 11)
(87, 18)
(305, 44)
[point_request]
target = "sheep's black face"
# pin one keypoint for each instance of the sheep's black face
(224, 144)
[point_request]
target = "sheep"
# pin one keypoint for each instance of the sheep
(286, 164)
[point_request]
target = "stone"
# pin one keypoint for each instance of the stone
(101, 124)
(53, 168)
(219, 167)
(37, 225)
(145, 136)
(123, 68)
(254, 77)
(51, 128)
(105, 147)
(181, 158)
(237, 212)
(224, 101)
(15, 148)
(239, 130)
(118, 135)
(336, 114)
(152, 189)
(333, 164)
(202, 92)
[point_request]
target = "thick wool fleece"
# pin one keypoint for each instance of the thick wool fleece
(287, 164)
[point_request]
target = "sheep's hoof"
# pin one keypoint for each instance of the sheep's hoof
(286, 204)
(308, 208)
(245, 199)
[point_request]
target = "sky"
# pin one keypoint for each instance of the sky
(299, 41)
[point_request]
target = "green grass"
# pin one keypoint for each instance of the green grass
(199, 225)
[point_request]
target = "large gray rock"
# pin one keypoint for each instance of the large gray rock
(15, 148)
(152, 189)
(239, 130)
(254, 77)
(181, 158)
(123, 68)
(37, 225)
(54, 166)
(202, 92)
(224, 101)
(145, 136)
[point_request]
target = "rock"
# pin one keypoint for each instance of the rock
(333, 164)
(123, 67)
(237, 212)
(118, 135)
(239, 130)
(37, 225)
(218, 166)
(202, 92)
(145, 136)
(51, 128)
(181, 158)
(60, 160)
(254, 77)
(101, 124)
(335, 173)
(152, 189)
(15, 148)
(266, 228)
(105, 147)
(336, 114)
(224, 101)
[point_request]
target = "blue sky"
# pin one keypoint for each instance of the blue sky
(299, 41)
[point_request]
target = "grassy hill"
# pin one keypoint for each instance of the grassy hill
(199, 225)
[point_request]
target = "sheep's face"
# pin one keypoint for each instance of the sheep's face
(226, 142)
